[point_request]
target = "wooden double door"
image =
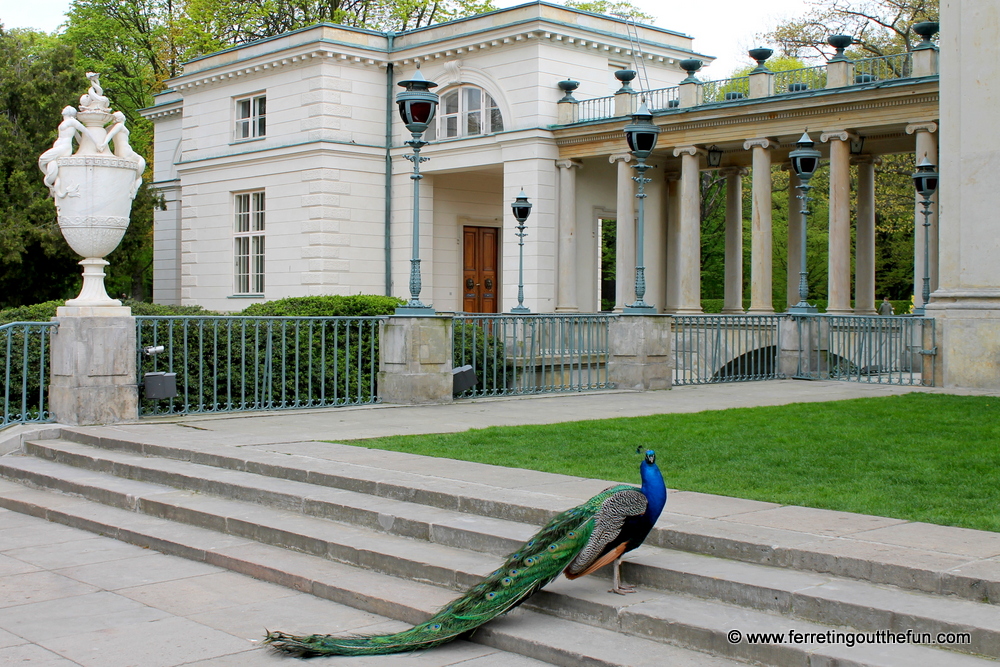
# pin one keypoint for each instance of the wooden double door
(480, 275)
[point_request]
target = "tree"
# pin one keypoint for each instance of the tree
(38, 76)
(879, 27)
(620, 8)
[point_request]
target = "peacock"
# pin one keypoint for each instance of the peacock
(577, 542)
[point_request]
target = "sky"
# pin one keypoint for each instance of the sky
(721, 28)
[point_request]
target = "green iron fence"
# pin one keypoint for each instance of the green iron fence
(24, 350)
(230, 364)
(533, 354)
(870, 349)
(726, 348)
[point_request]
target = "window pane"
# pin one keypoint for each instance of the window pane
(472, 123)
(496, 121)
(242, 213)
(242, 265)
(258, 264)
(261, 103)
(451, 102)
(260, 128)
(258, 212)
(472, 99)
(243, 109)
(451, 126)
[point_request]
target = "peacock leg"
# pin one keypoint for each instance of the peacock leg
(616, 576)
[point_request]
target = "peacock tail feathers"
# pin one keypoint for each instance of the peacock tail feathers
(537, 562)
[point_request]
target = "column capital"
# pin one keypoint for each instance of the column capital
(839, 135)
(866, 159)
(568, 164)
(619, 157)
(760, 142)
(734, 171)
(921, 127)
(689, 150)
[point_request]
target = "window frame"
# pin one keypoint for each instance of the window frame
(254, 125)
(463, 116)
(249, 219)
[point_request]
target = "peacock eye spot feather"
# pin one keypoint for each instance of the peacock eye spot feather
(491, 595)
(507, 581)
(531, 543)
(436, 626)
(553, 547)
(513, 573)
(571, 534)
(529, 561)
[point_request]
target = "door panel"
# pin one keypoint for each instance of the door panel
(480, 284)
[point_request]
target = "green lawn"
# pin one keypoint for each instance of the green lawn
(925, 457)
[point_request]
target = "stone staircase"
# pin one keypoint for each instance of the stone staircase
(398, 535)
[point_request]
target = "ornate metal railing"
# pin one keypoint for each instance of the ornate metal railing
(596, 108)
(24, 350)
(725, 90)
(662, 98)
(726, 348)
(871, 349)
(883, 68)
(231, 364)
(533, 354)
(800, 80)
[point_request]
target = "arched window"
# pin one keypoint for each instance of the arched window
(466, 111)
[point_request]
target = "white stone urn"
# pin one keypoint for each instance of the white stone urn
(93, 187)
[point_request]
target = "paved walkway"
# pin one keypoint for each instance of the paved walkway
(69, 597)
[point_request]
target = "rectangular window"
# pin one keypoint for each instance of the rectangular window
(251, 115)
(248, 246)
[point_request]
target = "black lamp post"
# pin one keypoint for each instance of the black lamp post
(417, 105)
(805, 162)
(522, 209)
(641, 135)
(925, 180)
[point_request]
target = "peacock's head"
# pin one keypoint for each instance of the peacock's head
(650, 454)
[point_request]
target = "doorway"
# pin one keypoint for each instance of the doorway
(480, 288)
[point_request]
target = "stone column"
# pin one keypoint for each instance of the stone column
(656, 238)
(93, 372)
(415, 360)
(795, 230)
(926, 146)
(625, 233)
(673, 180)
(966, 304)
(566, 301)
(761, 241)
(734, 240)
(689, 269)
(864, 238)
(839, 291)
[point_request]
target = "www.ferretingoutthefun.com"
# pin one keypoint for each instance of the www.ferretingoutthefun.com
(850, 639)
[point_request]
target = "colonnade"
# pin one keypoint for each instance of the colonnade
(678, 213)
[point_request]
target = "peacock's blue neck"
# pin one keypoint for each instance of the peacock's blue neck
(654, 488)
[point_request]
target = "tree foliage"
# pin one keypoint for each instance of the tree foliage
(620, 8)
(879, 27)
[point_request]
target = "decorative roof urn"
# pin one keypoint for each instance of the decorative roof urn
(93, 187)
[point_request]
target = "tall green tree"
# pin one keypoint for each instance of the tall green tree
(39, 75)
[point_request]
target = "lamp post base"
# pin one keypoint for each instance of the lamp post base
(520, 310)
(802, 308)
(639, 309)
(415, 309)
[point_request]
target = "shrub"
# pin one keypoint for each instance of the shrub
(355, 305)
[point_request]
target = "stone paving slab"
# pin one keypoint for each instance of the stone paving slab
(203, 616)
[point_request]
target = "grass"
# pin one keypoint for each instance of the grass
(922, 457)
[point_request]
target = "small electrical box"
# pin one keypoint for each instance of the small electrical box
(159, 385)
(463, 377)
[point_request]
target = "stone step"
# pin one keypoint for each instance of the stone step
(524, 632)
(933, 559)
(806, 596)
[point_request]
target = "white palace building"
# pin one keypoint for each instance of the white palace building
(282, 163)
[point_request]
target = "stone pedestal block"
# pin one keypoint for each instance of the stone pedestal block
(93, 373)
(968, 338)
(689, 94)
(641, 354)
(803, 343)
(415, 360)
(761, 84)
(839, 73)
